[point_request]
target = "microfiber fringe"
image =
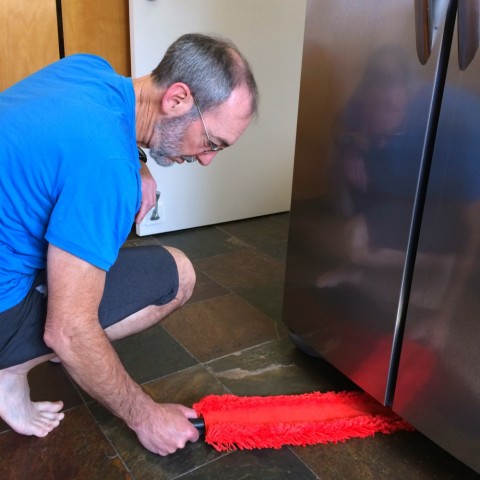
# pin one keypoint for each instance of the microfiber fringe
(274, 434)
(248, 437)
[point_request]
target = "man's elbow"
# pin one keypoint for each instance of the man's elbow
(54, 339)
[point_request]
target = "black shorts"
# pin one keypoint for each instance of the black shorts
(140, 277)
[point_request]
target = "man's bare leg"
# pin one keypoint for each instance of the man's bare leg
(16, 408)
(40, 418)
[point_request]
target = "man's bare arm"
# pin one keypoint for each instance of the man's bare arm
(72, 330)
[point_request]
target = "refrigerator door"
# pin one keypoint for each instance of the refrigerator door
(364, 105)
(439, 391)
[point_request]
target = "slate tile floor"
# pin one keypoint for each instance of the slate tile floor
(228, 338)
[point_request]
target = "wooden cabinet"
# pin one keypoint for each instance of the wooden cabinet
(29, 36)
(98, 27)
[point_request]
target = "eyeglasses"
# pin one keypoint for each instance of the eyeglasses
(213, 146)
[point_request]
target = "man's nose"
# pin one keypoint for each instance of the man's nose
(206, 158)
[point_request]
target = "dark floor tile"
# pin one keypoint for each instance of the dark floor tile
(243, 269)
(201, 242)
(49, 382)
(186, 387)
(267, 298)
(219, 326)
(398, 456)
(205, 288)
(276, 250)
(254, 465)
(259, 231)
(151, 354)
(276, 368)
(76, 450)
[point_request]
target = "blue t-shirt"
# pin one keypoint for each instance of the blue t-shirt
(69, 170)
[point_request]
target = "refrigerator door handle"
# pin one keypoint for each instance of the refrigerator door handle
(468, 33)
(423, 29)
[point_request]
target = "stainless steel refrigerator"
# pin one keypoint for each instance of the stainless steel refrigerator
(383, 270)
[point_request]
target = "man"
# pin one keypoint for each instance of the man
(71, 185)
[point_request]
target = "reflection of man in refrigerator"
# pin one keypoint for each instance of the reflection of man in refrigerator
(376, 170)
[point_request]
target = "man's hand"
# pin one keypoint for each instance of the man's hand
(354, 170)
(165, 428)
(149, 190)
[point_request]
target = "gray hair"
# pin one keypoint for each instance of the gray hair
(211, 66)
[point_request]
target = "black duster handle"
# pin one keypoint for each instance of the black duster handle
(198, 423)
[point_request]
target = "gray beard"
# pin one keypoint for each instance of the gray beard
(168, 138)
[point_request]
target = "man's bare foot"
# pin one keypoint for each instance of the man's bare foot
(20, 413)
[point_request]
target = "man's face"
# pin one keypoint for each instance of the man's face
(168, 140)
(386, 109)
(183, 138)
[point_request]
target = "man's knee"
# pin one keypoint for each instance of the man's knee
(186, 274)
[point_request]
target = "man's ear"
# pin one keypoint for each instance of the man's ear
(177, 100)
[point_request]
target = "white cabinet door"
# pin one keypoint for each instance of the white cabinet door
(254, 177)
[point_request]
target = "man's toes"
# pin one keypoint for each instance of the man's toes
(52, 415)
(53, 407)
(43, 426)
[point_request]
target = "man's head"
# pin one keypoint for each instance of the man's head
(385, 88)
(212, 87)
